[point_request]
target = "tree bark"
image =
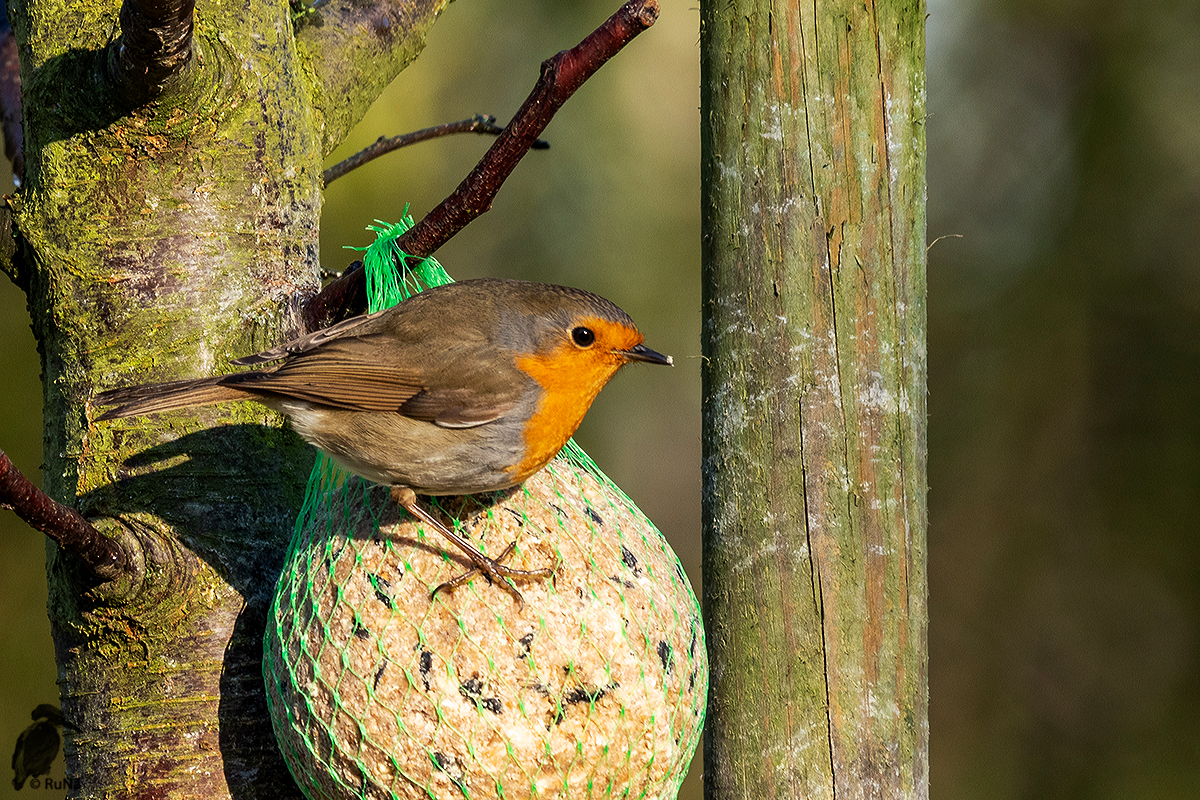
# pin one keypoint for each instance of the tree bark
(813, 181)
(160, 239)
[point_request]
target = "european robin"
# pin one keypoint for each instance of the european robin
(464, 388)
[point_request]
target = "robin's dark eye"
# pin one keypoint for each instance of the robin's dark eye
(584, 337)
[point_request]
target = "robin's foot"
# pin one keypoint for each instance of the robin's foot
(492, 569)
(495, 571)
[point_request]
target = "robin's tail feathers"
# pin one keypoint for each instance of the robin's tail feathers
(134, 401)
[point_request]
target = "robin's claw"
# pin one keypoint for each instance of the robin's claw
(496, 572)
(491, 568)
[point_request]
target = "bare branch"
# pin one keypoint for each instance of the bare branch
(480, 123)
(561, 76)
(102, 556)
(155, 46)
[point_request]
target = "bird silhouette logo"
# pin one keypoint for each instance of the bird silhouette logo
(37, 746)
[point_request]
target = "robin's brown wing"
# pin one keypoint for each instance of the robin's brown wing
(458, 407)
(473, 384)
(399, 360)
(464, 386)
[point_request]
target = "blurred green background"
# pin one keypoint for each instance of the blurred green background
(1064, 150)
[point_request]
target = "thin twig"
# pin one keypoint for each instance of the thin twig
(480, 123)
(102, 556)
(944, 236)
(561, 76)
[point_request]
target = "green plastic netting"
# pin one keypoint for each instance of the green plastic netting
(594, 688)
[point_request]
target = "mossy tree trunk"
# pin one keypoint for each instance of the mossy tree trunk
(161, 239)
(813, 176)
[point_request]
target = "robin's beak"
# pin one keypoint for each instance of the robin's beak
(639, 352)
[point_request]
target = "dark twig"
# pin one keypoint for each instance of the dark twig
(480, 123)
(103, 557)
(155, 46)
(561, 76)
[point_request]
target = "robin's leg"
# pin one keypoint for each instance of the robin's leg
(491, 568)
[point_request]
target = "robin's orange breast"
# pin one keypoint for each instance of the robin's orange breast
(570, 378)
